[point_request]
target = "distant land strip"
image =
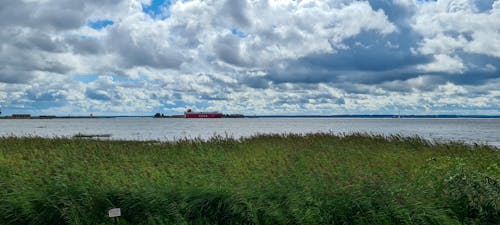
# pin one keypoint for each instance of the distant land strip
(268, 116)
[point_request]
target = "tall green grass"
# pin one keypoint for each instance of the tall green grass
(267, 179)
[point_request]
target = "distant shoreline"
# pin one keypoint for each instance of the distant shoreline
(380, 116)
(274, 116)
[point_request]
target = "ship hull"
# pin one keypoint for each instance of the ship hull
(203, 115)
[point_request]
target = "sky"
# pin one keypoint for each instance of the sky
(264, 57)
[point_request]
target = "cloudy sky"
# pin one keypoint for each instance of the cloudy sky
(138, 57)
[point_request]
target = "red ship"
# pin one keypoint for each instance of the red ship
(190, 114)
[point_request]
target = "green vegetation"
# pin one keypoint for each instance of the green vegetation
(271, 179)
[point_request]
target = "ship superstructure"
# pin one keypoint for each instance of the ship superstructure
(190, 114)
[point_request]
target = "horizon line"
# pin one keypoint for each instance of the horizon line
(271, 115)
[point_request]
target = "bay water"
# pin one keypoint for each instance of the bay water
(483, 131)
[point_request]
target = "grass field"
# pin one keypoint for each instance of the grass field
(271, 179)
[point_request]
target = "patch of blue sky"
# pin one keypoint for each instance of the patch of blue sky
(158, 9)
(47, 104)
(99, 24)
(86, 78)
(30, 107)
(8, 110)
(118, 78)
(238, 33)
(202, 105)
(484, 5)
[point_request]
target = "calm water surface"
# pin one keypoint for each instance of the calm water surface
(486, 131)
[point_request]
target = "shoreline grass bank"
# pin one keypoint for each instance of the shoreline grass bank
(268, 179)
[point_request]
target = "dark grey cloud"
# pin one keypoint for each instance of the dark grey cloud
(227, 48)
(381, 68)
(237, 9)
(138, 56)
(103, 2)
(13, 13)
(85, 45)
(330, 68)
(18, 66)
(36, 40)
(59, 15)
(366, 82)
(15, 76)
(186, 35)
(143, 52)
(368, 58)
(255, 82)
(58, 18)
(45, 43)
(481, 69)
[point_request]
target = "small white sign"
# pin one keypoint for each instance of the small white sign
(114, 212)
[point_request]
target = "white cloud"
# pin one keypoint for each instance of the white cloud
(442, 44)
(444, 63)
(457, 25)
(451, 89)
(490, 68)
(405, 3)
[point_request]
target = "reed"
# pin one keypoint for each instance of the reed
(266, 179)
